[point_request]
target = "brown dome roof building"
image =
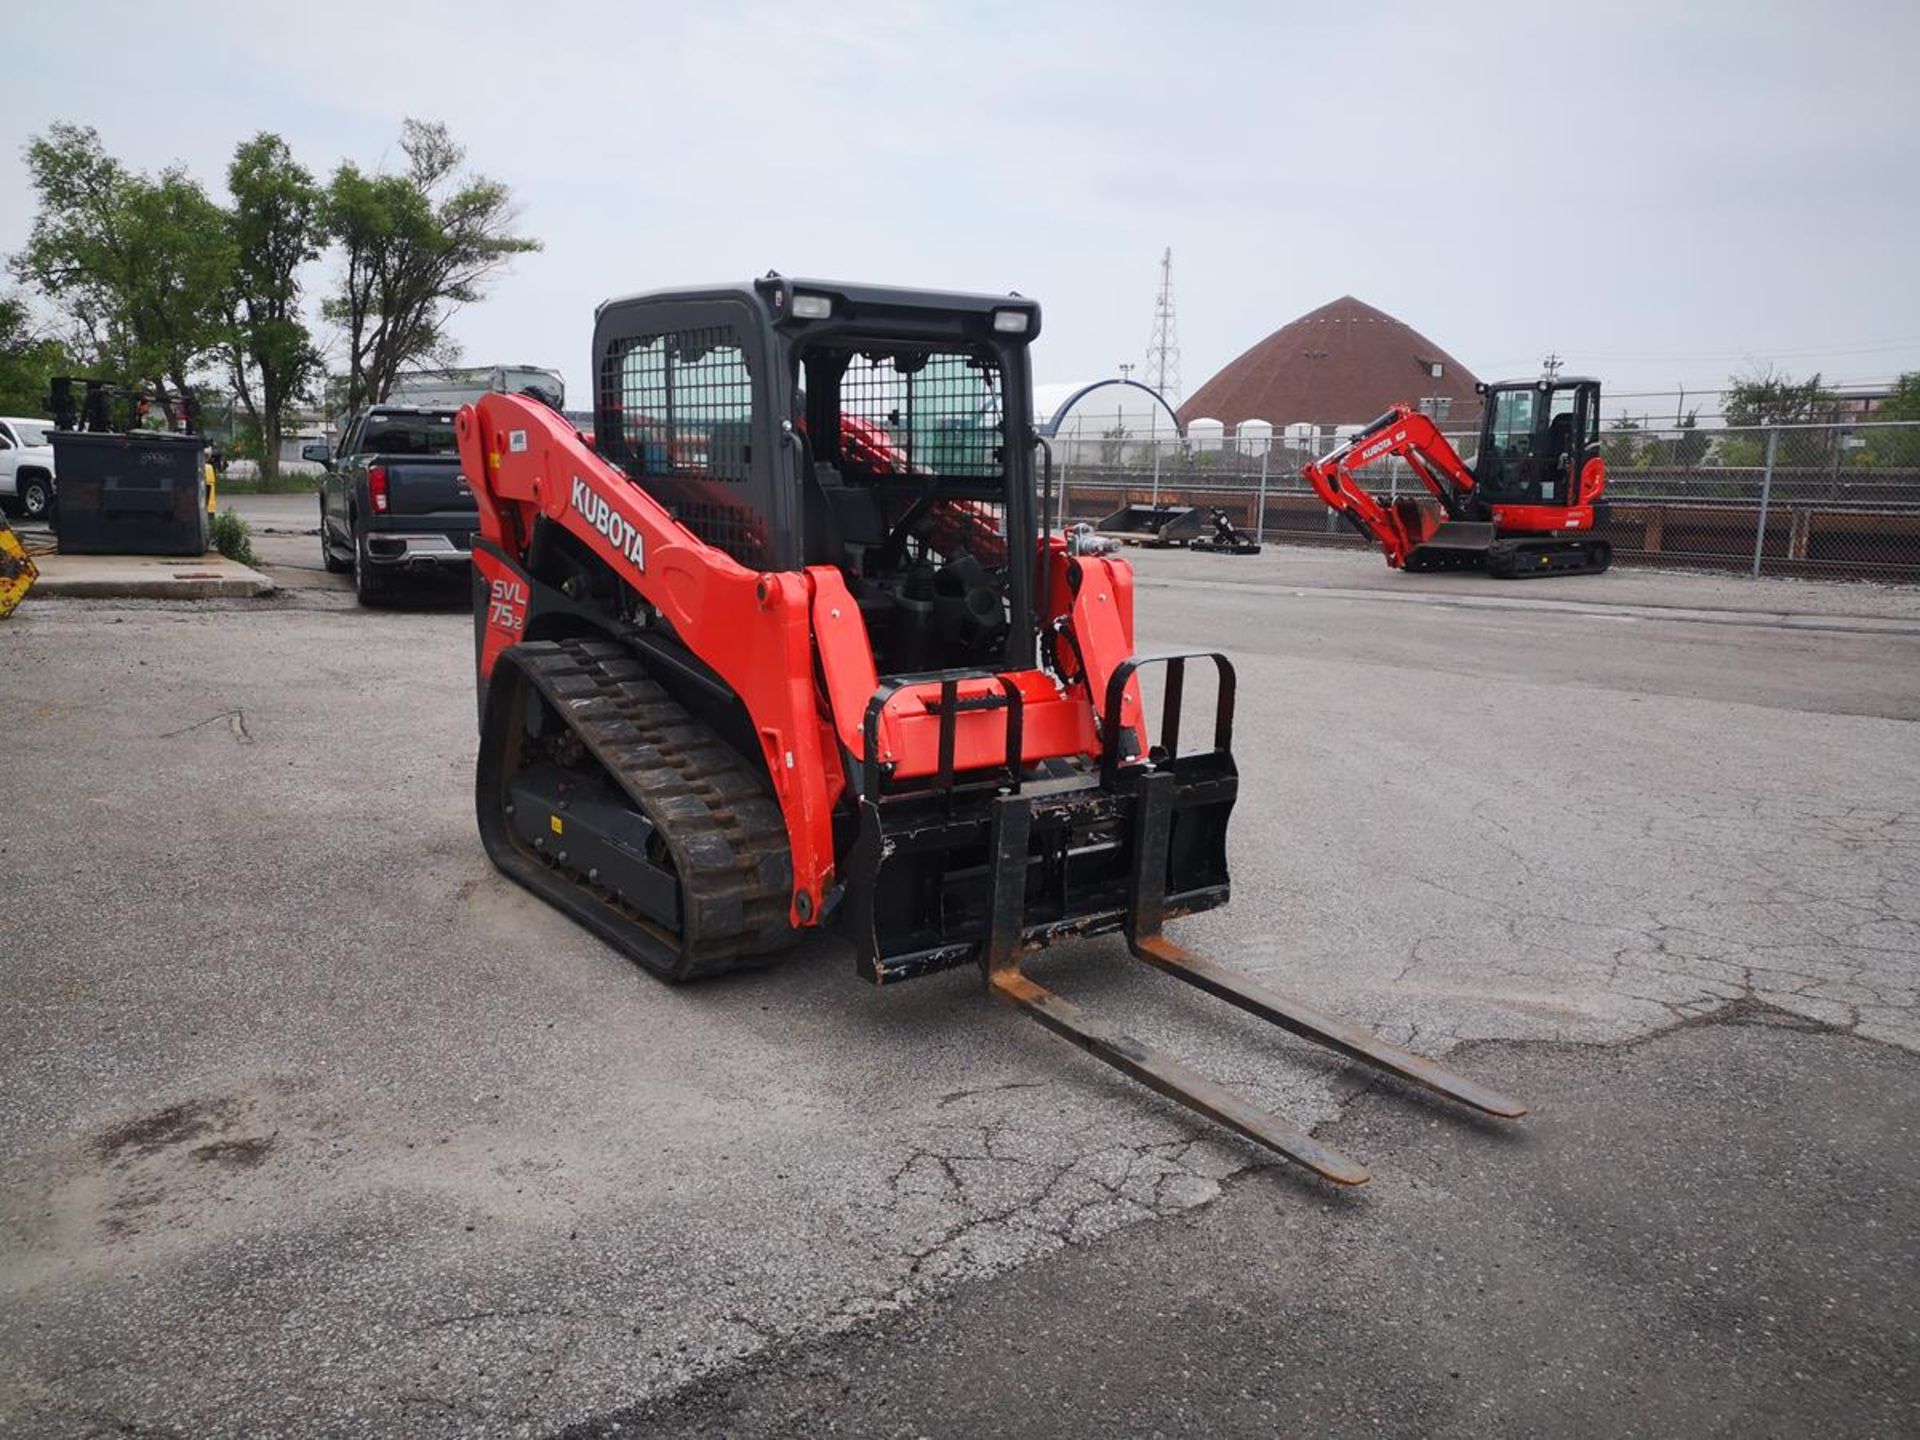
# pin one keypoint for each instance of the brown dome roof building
(1342, 364)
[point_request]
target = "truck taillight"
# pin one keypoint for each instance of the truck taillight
(377, 488)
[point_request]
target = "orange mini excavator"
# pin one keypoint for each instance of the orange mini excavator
(1526, 506)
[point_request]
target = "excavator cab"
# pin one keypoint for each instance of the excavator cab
(1537, 439)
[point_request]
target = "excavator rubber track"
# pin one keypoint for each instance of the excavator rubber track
(1526, 556)
(575, 729)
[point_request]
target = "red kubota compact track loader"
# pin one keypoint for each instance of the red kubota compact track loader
(1526, 506)
(793, 650)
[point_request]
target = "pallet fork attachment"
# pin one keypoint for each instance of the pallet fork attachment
(1154, 787)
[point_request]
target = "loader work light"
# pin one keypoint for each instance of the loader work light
(812, 307)
(1010, 322)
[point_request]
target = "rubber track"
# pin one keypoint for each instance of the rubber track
(726, 835)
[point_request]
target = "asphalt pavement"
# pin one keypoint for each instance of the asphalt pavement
(311, 1123)
(1642, 1259)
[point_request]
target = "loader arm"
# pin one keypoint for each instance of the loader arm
(1405, 433)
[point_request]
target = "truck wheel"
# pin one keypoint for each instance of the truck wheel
(369, 586)
(36, 496)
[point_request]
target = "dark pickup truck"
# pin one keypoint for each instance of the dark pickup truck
(393, 501)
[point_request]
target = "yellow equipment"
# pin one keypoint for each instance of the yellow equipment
(17, 570)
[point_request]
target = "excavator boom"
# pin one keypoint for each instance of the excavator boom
(1402, 433)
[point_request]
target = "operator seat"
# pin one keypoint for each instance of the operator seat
(838, 517)
(1551, 466)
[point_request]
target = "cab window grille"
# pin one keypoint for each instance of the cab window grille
(934, 414)
(679, 404)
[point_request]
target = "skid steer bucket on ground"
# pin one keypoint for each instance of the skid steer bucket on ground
(1154, 526)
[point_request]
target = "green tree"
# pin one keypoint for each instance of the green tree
(1890, 446)
(1903, 402)
(276, 229)
(416, 246)
(29, 359)
(1754, 403)
(1621, 444)
(1683, 451)
(1691, 446)
(1757, 401)
(140, 263)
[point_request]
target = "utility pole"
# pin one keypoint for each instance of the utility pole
(1550, 367)
(1163, 349)
(1163, 359)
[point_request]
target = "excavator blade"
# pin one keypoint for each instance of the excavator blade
(1162, 1072)
(1328, 1030)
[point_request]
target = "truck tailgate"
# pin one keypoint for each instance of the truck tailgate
(424, 484)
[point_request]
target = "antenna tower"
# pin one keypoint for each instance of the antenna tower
(1163, 350)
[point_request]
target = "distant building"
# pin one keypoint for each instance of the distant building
(1342, 364)
(1859, 402)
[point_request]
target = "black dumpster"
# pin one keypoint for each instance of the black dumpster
(143, 493)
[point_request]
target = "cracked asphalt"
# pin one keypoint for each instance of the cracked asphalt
(1640, 1260)
(310, 1122)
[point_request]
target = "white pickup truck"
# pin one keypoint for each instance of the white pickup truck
(26, 467)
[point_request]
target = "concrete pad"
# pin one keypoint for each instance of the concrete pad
(147, 577)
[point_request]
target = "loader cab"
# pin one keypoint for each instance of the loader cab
(884, 432)
(1535, 439)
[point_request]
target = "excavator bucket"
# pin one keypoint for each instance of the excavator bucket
(17, 570)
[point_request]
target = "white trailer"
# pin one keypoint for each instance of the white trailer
(448, 389)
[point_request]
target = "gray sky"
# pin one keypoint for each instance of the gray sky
(1662, 193)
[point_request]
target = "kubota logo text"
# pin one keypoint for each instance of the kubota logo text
(609, 522)
(1381, 446)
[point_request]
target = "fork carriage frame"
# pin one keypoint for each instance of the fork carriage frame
(957, 867)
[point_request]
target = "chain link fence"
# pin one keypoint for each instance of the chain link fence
(1840, 500)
